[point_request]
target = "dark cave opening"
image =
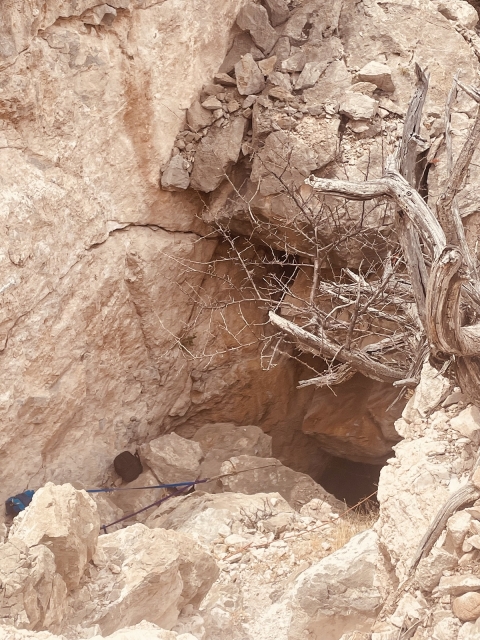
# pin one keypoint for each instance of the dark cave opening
(351, 481)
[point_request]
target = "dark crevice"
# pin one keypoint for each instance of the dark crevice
(351, 481)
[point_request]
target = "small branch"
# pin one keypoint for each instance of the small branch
(326, 348)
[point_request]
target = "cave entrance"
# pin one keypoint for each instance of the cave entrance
(351, 481)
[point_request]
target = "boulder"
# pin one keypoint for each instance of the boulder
(378, 74)
(277, 11)
(310, 75)
(176, 177)
(295, 63)
(457, 585)
(142, 574)
(100, 14)
(249, 76)
(283, 156)
(254, 18)
(431, 568)
(337, 595)
(242, 44)
(205, 516)
(173, 458)
(430, 393)
(267, 66)
(458, 526)
(458, 11)
(252, 474)
(64, 520)
(212, 103)
(221, 441)
(224, 79)
(468, 423)
(128, 502)
(198, 117)
(467, 606)
(32, 593)
(358, 106)
(216, 154)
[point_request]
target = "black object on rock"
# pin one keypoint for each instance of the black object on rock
(128, 466)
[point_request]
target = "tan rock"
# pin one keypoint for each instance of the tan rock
(128, 502)
(458, 11)
(458, 526)
(277, 11)
(468, 423)
(175, 177)
(212, 103)
(310, 75)
(358, 106)
(198, 117)
(254, 18)
(205, 516)
(64, 520)
(268, 65)
(378, 74)
(269, 475)
(458, 585)
(242, 44)
(224, 79)
(431, 568)
(172, 458)
(467, 606)
(295, 63)
(33, 595)
(142, 574)
(249, 76)
(333, 596)
(216, 154)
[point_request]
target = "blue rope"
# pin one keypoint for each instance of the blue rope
(171, 485)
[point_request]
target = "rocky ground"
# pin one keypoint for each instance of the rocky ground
(249, 564)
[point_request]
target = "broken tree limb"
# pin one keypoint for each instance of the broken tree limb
(322, 346)
(444, 330)
(395, 187)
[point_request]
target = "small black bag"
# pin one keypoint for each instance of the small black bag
(128, 466)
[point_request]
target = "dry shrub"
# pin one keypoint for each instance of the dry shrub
(353, 522)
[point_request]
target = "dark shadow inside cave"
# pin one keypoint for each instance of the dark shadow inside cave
(351, 481)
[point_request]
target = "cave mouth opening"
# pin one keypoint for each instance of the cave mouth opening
(351, 482)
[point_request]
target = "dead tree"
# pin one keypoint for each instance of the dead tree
(450, 283)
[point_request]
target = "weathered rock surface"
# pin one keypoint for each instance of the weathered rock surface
(172, 458)
(205, 516)
(252, 473)
(33, 594)
(66, 522)
(131, 501)
(254, 18)
(141, 574)
(335, 596)
(217, 152)
(249, 76)
(219, 442)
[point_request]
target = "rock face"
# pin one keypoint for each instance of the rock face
(100, 290)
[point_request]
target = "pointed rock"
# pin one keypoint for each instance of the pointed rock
(250, 79)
